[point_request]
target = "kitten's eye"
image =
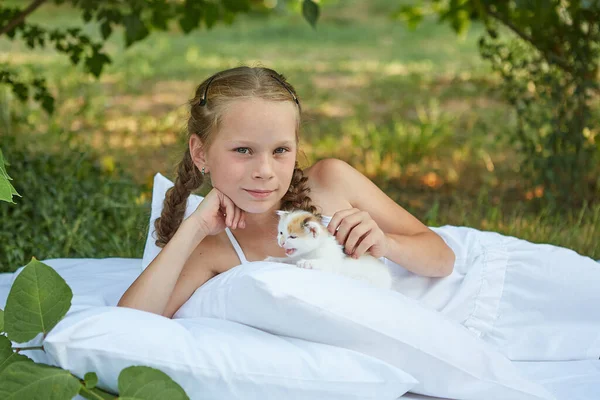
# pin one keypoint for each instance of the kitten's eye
(292, 237)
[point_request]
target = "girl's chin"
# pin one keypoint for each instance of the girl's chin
(253, 208)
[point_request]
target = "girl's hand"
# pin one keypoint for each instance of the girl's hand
(358, 233)
(216, 212)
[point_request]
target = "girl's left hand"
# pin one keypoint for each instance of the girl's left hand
(358, 233)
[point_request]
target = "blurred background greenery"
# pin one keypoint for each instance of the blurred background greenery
(418, 111)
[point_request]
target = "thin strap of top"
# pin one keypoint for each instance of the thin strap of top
(238, 248)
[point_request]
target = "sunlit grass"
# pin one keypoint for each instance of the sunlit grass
(418, 112)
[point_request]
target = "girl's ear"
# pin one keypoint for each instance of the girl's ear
(197, 151)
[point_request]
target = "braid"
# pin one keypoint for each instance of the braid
(297, 195)
(188, 179)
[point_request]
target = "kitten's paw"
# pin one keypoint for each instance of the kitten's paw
(306, 264)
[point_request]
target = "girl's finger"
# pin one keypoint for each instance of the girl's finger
(346, 226)
(364, 246)
(337, 219)
(229, 210)
(358, 232)
(236, 218)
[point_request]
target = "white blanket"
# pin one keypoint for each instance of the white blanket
(534, 302)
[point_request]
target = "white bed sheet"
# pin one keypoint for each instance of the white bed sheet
(103, 281)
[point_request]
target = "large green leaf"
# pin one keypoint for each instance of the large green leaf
(145, 383)
(38, 299)
(28, 380)
(1, 320)
(8, 355)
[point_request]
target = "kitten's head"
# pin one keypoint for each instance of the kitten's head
(299, 232)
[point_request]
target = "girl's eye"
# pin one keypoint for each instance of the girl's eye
(246, 148)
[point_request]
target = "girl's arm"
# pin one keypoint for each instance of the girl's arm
(160, 289)
(410, 243)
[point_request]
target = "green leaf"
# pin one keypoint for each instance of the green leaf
(8, 355)
(7, 191)
(95, 63)
(135, 29)
(211, 14)
(91, 380)
(310, 10)
(137, 383)
(38, 299)
(191, 17)
(3, 163)
(1, 320)
(28, 380)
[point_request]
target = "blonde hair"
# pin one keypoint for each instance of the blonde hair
(206, 113)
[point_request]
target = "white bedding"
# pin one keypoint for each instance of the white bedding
(101, 282)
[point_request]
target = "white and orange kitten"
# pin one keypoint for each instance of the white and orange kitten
(308, 244)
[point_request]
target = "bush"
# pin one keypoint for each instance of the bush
(71, 206)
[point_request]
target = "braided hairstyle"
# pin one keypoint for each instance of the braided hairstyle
(205, 115)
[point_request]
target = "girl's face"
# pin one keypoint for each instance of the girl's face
(255, 150)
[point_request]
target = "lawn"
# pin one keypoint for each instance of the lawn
(417, 111)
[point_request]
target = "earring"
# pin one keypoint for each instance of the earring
(203, 173)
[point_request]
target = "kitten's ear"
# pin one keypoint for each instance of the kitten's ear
(312, 227)
(280, 212)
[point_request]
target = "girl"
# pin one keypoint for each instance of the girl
(531, 301)
(243, 133)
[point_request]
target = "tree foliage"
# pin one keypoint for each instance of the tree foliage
(137, 18)
(548, 54)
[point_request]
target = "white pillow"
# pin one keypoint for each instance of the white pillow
(446, 359)
(161, 185)
(216, 360)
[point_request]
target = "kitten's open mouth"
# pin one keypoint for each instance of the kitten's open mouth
(289, 252)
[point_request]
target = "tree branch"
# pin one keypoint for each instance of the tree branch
(550, 57)
(21, 17)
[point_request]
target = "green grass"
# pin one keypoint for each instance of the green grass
(417, 111)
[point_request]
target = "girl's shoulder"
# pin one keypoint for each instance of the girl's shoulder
(324, 194)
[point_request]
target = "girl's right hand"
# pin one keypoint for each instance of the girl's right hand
(218, 211)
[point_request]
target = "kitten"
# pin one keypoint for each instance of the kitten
(309, 245)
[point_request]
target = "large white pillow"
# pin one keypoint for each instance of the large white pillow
(446, 359)
(161, 185)
(213, 359)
